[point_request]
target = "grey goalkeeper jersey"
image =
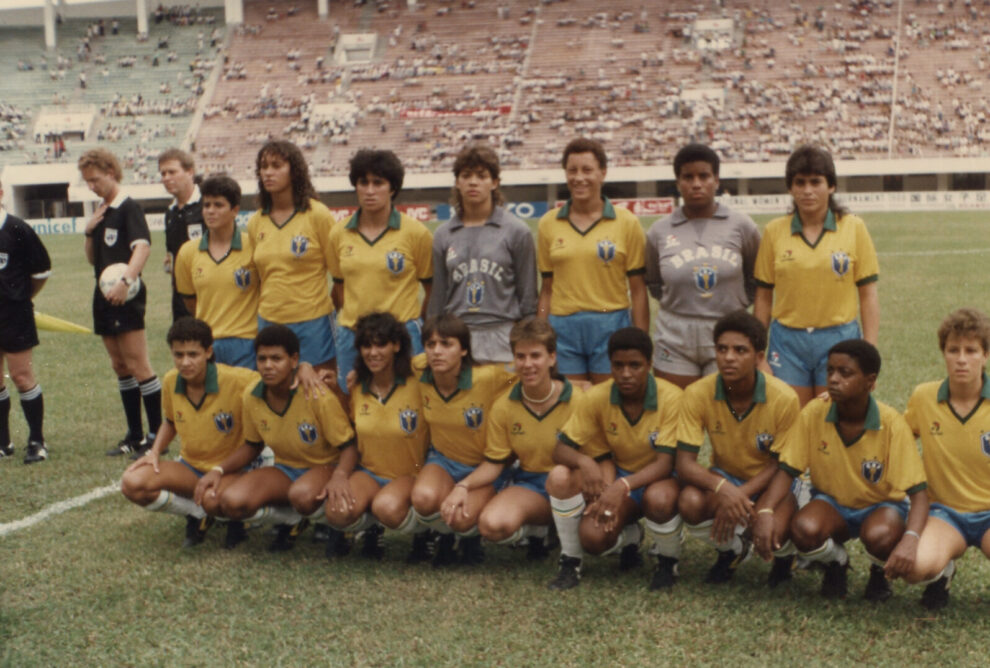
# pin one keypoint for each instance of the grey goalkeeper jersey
(484, 274)
(702, 267)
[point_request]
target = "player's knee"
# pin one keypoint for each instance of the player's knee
(389, 510)
(691, 505)
(120, 366)
(806, 531)
(426, 499)
(211, 505)
(660, 501)
(595, 541)
(23, 379)
(132, 487)
(461, 524)
(880, 538)
(303, 499)
(559, 482)
(495, 526)
(235, 506)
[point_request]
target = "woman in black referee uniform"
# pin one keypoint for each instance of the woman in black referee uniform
(118, 232)
(24, 268)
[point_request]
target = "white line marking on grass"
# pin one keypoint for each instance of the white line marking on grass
(958, 251)
(58, 509)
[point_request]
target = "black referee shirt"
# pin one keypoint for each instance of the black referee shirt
(22, 257)
(123, 226)
(183, 223)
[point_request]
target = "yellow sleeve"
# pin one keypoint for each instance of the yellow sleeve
(787, 413)
(323, 222)
(423, 252)
(168, 410)
(636, 247)
(764, 269)
(911, 413)
(583, 430)
(793, 449)
(497, 448)
(543, 243)
(252, 227)
(251, 434)
(333, 420)
(333, 252)
(670, 425)
(182, 269)
(418, 364)
(907, 473)
(867, 266)
(691, 432)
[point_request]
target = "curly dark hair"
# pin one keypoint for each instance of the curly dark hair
(378, 328)
(302, 187)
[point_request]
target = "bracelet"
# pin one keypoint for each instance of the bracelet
(217, 468)
(765, 511)
(90, 235)
(909, 532)
(719, 486)
(628, 486)
(461, 484)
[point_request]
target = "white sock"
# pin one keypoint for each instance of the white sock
(947, 572)
(567, 514)
(167, 502)
(470, 533)
(365, 521)
(435, 522)
(667, 537)
(629, 535)
(525, 531)
(275, 515)
(786, 550)
(829, 551)
(319, 516)
(413, 523)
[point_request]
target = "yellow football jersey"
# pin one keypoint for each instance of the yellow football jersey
(392, 435)
(590, 269)
(805, 276)
(457, 423)
(292, 262)
(955, 448)
(602, 429)
(742, 445)
(226, 292)
(310, 432)
(381, 274)
(881, 465)
(213, 429)
(514, 430)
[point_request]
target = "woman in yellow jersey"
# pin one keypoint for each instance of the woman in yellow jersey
(952, 418)
(815, 271)
(373, 483)
(592, 259)
(457, 400)
(290, 234)
(523, 425)
(378, 258)
(202, 406)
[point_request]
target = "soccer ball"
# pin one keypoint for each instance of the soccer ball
(114, 273)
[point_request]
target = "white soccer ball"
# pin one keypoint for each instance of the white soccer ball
(112, 274)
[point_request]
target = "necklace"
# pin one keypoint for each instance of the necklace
(378, 393)
(539, 401)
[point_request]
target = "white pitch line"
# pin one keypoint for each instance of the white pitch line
(58, 509)
(958, 251)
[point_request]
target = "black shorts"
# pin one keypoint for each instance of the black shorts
(17, 329)
(110, 320)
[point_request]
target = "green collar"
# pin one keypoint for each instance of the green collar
(393, 220)
(565, 394)
(649, 399)
(210, 385)
(259, 390)
(796, 226)
(235, 241)
(872, 415)
(463, 378)
(366, 384)
(943, 389)
(608, 211)
(759, 390)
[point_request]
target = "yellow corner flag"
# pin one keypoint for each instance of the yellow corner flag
(53, 324)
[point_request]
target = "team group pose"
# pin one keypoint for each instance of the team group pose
(520, 415)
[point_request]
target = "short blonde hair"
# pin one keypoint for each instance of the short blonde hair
(103, 160)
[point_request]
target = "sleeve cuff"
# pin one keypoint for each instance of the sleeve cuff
(866, 280)
(636, 272)
(346, 444)
(789, 470)
(42, 275)
(567, 440)
(255, 444)
(504, 460)
(921, 486)
(665, 449)
(687, 447)
(763, 284)
(603, 457)
(546, 274)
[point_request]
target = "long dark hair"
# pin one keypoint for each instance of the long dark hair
(302, 187)
(381, 328)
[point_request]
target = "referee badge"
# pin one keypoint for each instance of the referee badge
(3, 260)
(872, 470)
(606, 250)
(307, 433)
(109, 236)
(408, 420)
(224, 422)
(840, 263)
(985, 443)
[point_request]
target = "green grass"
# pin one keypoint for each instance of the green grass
(107, 584)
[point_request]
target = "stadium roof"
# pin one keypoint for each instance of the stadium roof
(37, 4)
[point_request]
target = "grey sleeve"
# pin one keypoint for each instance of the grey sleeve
(438, 293)
(654, 282)
(524, 266)
(750, 246)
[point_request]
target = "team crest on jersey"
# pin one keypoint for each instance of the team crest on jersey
(3, 260)
(613, 428)
(763, 441)
(517, 428)
(475, 292)
(840, 263)
(195, 231)
(473, 417)
(299, 245)
(109, 236)
(606, 250)
(408, 420)
(395, 261)
(242, 277)
(985, 443)
(224, 422)
(872, 470)
(652, 439)
(706, 278)
(307, 432)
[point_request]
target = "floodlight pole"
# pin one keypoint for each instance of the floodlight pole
(49, 19)
(893, 90)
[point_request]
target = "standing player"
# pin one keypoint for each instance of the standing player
(306, 436)
(484, 260)
(617, 453)
(952, 417)
(290, 235)
(183, 217)
(379, 258)
(815, 269)
(699, 265)
(24, 268)
(118, 232)
(744, 412)
(202, 406)
(216, 277)
(591, 257)
(864, 470)
(523, 425)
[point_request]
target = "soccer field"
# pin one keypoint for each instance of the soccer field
(106, 583)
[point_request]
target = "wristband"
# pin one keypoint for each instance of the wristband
(628, 486)
(90, 235)
(909, 532)
(765, 511)
(217, 468)
(719, 485)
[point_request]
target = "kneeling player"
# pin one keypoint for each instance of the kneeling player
(744, 412)
(864, 468)
(617, 453)
(306, 436)
(201, 403)
(952, 417)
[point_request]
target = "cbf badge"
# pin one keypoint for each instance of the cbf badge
(840, 263)
(109, 236)
(3, 260)
(408, 420)
(872, 470)
(224, 422)
(985, 443)
(242, 278)
(606, 250)
(705, 279)
(475, 292)
(473, 417)
(763, 441)
(395, 261)
(307, 432)
(299, 245)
